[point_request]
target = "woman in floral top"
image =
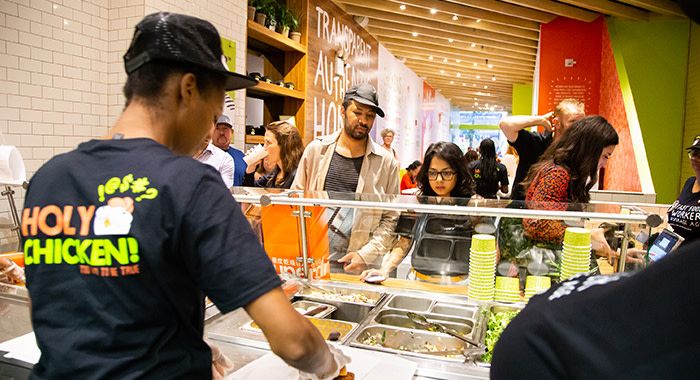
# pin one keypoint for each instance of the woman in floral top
(565, 174)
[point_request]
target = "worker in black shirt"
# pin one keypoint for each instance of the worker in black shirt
(124, 236)
(531, 145)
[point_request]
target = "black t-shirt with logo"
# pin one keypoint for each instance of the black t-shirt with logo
(488, 189)
(684, 214)
(530, 146)
(123, 239)
(640, 326)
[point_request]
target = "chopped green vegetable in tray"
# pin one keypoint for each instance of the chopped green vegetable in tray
(496, 324)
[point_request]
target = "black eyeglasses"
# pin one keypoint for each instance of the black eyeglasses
(445, 174)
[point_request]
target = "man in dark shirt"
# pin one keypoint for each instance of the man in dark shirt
(221, 138)
(531, 145)
(124, 236)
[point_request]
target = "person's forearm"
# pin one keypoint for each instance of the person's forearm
(511, 125)
(311, 355)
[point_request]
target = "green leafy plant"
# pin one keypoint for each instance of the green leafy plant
(292, 20)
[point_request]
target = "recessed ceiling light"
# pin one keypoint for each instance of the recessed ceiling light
(458, 60)
(486, 87)
(459, 75)
(450, 40)
(473, 44)
(433, 11)
(442, 71)
(476, 103)
(478, 76)
(415, 34)
(455, 18)
(402, 7)
(464, 84)
(493, 78)
(444, 60)
(430, 57)
(475, 64)
(473, 84)
(452, 82)
(478, 20)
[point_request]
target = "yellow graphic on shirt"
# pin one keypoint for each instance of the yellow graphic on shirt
(64, 231)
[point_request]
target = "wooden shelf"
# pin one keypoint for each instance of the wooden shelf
(264, 89)
(254, 139)
(264, 39)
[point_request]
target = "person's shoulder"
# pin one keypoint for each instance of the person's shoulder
(553, 169)
(500, 166)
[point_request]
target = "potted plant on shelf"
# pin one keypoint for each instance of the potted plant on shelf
(272, 11)
(251, 9)
(261, 8)
(283, 21)
(293, 21)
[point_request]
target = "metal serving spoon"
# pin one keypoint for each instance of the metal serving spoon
(423, 323)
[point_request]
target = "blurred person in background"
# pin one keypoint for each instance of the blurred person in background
(387, 139)
(209, 154)
(284, 149)
(409, 179)
(489, 175)
(222, 137)
(471, 156)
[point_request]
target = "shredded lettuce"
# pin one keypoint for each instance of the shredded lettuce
(496, 324)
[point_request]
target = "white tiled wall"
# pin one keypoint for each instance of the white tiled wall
(61, 70)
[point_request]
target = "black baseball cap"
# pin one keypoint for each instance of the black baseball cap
(696, 143)
(364, 93)
(176, 37)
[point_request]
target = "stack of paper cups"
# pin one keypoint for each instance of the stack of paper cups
(482, 267)
(576, 256)
(507, 289)
(536, 284)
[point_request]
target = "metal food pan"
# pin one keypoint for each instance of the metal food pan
(308, 305)
(340, 294)
(453, 310)
(410, 303)
(399, 318)
(410, 342)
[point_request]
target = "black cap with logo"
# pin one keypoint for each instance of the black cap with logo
(175, 37)
(364, 93)
(696, 143)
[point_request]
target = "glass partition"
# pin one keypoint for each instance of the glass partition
(431, 240)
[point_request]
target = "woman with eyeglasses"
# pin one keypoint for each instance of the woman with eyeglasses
(684, 214)
(443, 178)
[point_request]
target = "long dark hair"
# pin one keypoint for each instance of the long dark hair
(451, 154)
(488, 166)
(291, 146)
(578, 151)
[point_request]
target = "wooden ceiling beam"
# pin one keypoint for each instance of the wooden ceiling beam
(664, 7)
(474, 54)
(452, 9)
(469, 84)
(466, 69)
(383, 26)
(508, 9)
(611, 8)
(458, 43)
(557, 8)
(425, 23)
(456, 54)
(465, 74)
(421, 14)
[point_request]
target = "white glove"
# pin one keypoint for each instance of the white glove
(11, 272)
(340, 360)
(220, 364)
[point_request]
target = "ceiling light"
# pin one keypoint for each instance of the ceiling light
(452, 82)
(455, 18)
(450, 40)
(478, 20)
(475, 64)
(402, 7)
(490, 66)
(459, 75)
(494, 77)
(476, 103)
(458, 60)
(473, 44)
(430, 57)
(473, 84)
(414, 34)
(464, 84)
(486, 87)
(442, 71)
(444, 60)
(433, 11)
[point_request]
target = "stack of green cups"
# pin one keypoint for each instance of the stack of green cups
(507, 289)
(482, 267)
(536, 284)
(576, 255)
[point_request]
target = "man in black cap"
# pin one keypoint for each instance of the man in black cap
(348, 161)
(124, 236)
